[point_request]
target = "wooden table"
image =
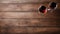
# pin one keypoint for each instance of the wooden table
(23, 17)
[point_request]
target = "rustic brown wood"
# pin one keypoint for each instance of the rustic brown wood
(29, 22)
(28, 29)
(26, 1)
(22, 7)
(23, 17)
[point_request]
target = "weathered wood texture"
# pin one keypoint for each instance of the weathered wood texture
(22, 7)
(26, 1)
(23, 17)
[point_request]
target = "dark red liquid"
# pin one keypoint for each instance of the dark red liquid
(42, 9)
(52, 5)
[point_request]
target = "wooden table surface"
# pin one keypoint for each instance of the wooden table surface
(23, 17)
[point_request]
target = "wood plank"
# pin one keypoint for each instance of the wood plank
(26, 1)
(16, 7)
(30, 22)
(26, 15)
(15, 30)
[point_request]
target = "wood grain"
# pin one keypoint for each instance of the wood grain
(30, 22)
(13, 7)
(26, 1)
(23, 17)
(14, 30)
